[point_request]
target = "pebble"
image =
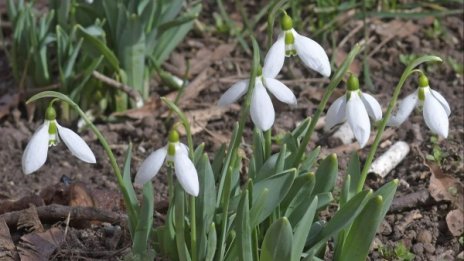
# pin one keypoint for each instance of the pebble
(385, 228)
(429, 248)
(424, 237)
(418, 248)
(460, 256)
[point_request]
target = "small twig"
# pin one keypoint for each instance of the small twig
(55, 212)
(131, 92)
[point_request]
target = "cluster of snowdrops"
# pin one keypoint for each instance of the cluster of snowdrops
(234, 203)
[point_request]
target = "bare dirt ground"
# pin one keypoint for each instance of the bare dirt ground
(417, 219)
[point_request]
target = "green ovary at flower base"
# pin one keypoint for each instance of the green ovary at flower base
(356, 107)
(49, 134)
(436, 109)
(176, 153)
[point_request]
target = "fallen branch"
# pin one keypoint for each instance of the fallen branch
(54, 212)
(131, 92)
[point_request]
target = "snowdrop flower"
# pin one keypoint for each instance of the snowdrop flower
(436, 109)
(48, 135)
(176, 153)
(356, 107)
(290, 43)
(261, 110)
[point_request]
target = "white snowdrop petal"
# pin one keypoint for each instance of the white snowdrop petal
(442, 101)
(186, 173)
(312, 54)
(262, 110)
(372, 106)
(275, 58)
(35, 154)
(336, 113)
(280, 91)
(151, 166)
(76, 144)
(235, 92)
(435, 116)
(358, 119)
(405, 107)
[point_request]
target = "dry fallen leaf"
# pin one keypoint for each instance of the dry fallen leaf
(39, 246)
(7, 102)
(396, 27)
(445, 187)
(29, 220)
(455, 222)
(355, 66)
(7, 247)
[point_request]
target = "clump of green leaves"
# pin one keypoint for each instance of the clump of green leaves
(123, 40)
(398, 253)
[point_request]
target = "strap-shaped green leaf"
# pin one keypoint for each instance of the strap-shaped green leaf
(130, 189)
(341, 219)
(278, 241)
(243, 227)
(326, 174)
(278, 186)
(145, 222)
(205, 204)
(302, 229)
(362, 231)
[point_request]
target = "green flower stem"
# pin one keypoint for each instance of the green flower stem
(224, 191)
(383, 123)
(193, 228)
(170, 182)
(242, 120)
(193, 223)
(132, 213)
(338, 77)
(267, 144)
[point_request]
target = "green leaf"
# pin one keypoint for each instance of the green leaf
(300, 191)
(218, 160)
(326, 175)
(205, 204)
(310, 159)
(180, 224)
(267, 169)
(362, 231)
(91, 40)
(354, 170)
(145, 222)
(278, 241)
(130, 189)
(278, 186)
(302, 229)
(212, 243)
(244, 228)
(341, 219)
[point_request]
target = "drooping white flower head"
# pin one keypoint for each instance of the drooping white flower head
(47, 135)
(436, 109)
(176, 153)
(290, 43)
(261, 110)
(356, 107)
